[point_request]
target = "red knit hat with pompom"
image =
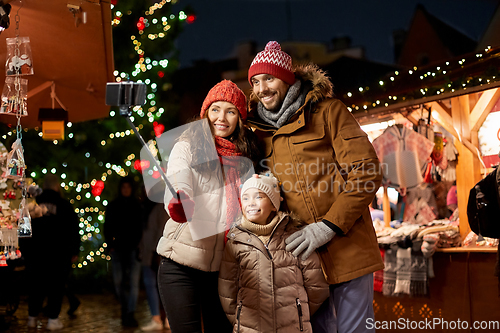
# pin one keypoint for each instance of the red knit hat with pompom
(272, 61)
(227, 91)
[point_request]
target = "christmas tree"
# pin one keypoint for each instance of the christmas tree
(96, 154)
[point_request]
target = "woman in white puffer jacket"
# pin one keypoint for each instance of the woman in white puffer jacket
(205, 167)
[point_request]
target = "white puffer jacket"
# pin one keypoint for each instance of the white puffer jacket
(199, 243)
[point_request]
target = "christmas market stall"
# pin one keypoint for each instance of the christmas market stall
(58, 57)
(436, 130)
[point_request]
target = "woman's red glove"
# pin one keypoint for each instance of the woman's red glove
(181, 210)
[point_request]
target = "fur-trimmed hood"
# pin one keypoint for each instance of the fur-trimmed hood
(322, 87)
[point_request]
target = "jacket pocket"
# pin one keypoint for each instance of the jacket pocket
(238, 313)
(299, 310)
(316, 133)
(352, 132)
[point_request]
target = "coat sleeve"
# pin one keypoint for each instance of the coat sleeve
(357, 158)
(317, 288)
(179, 172)
(228, 282)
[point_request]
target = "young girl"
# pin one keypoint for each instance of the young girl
(262, 287)
(206, 180)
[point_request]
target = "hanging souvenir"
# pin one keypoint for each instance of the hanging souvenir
(3, 260)
(15, 162)
(425, 129)
(437, 152)
(15, 97)
(24, 220)
(19, 60)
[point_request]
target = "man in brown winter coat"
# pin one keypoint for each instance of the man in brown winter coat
(329, 173)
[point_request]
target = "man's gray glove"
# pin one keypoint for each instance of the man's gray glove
(308, 239)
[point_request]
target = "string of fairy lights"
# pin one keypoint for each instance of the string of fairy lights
(432, 82)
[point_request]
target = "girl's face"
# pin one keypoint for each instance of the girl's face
(223, 117)
(257, 207)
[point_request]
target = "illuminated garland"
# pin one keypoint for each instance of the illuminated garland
(469, 71)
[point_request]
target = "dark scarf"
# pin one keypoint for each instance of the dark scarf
(228, 156)
(294, 99)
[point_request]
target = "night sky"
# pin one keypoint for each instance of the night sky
(221, 24)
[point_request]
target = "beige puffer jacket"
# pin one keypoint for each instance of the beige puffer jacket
(264, 288)
(199, 243)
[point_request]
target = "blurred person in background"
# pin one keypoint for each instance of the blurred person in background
(123, 231)
(54, 245)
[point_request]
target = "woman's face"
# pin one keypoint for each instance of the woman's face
(223, 117)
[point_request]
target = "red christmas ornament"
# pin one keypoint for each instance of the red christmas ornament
(141, 25)
(114, 2)
(97, 188)
(158, 128)
(140, 165)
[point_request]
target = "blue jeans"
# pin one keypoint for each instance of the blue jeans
(149, 279)
(348, 308)
(126, 275)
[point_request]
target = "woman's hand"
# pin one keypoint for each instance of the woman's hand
(181, 210)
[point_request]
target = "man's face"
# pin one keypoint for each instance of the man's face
(270, 90)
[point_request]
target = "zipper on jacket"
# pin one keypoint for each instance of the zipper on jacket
(271, 236)
(178, 231)
(240, 305)
(299, 309)
(268, 252)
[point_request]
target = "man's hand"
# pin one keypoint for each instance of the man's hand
(308, 239)
(181, 210)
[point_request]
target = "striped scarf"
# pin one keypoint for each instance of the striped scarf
(228, 157)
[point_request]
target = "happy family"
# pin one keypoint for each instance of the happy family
(256, 256)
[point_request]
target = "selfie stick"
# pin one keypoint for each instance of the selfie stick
(125, 95)
(125, 111)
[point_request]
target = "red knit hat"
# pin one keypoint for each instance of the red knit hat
(227, 91)
(272, 61)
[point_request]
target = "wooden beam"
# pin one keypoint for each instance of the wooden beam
(483, 107)
(410, 118)
(38, 89)
(460, 112)
(440, 114)
(468, 166)
(444, 119)
(386, 207)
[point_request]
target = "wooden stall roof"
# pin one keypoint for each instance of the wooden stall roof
(404, 89)
(72, 52)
